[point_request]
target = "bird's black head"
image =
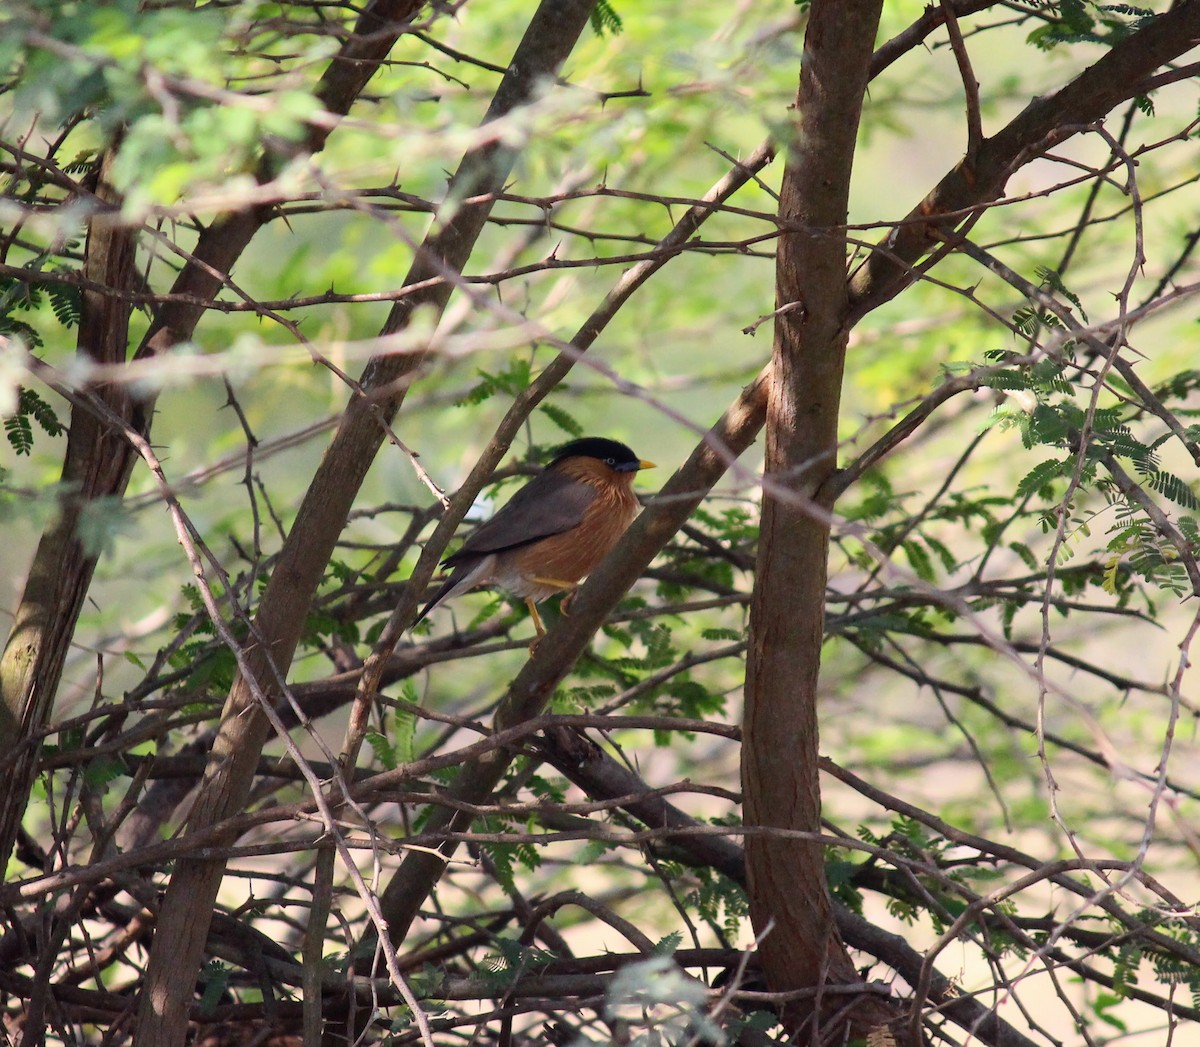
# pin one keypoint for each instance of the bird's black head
(611, 452)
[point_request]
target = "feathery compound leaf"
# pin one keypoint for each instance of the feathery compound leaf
(384, 752)
(1025, 319)
(1007, 380)
(19, 433)
(605, 20)
(1171, 486)
(562, 419)
(1026, 555)
(1128, 9)
(66, 302)
(667, 945)
(17, 427)
(1052, 279)
(1039, 478)
(1109, 419)
(41, 411)
(1052, 424)
(919, 559)
(1122, 443)
(27, 334)
(1047, 377)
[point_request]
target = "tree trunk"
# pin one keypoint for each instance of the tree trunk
(789, 901)
(183, 922)
(98, 463)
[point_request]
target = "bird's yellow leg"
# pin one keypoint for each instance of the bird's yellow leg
(558, 583)
(537, 618)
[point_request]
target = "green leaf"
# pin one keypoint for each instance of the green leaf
(721, 634)
(605, 20)
(214, 976)
(384, 752)
(18, 427)
(103, 769)
(65, 300)
(919, 558)
(1102, 1005)
(214, 669)
(405, 734)
(1171, 486)
(667, 945)
(942, 551)
(1052, 424)
(19, 433)
(1026, 555)
(563, 420)
(1007, 379)
(1052, 279)
(1008, 614)
(511, 381)
(1039, 478)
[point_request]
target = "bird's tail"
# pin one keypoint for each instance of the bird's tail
(437, 598)
(463, 576)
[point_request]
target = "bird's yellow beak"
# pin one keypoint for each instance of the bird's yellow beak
(643, 464)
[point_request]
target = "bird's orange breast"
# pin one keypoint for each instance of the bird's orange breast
(566, 558)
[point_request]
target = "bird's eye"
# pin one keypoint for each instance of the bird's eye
(610, 461)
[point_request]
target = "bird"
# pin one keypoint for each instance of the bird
(554, 531)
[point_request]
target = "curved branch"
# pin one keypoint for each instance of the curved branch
(1120, 74)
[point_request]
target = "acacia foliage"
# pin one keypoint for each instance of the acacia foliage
(1012, 539)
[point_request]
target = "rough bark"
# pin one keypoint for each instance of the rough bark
(789, 902)
(187, 908)
(98, 462)
(781, 739)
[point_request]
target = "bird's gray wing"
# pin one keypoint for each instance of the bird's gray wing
(549, 504)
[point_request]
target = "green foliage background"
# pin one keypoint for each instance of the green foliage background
(934, 652)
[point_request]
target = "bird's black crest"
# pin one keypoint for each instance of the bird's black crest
(613, 452)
